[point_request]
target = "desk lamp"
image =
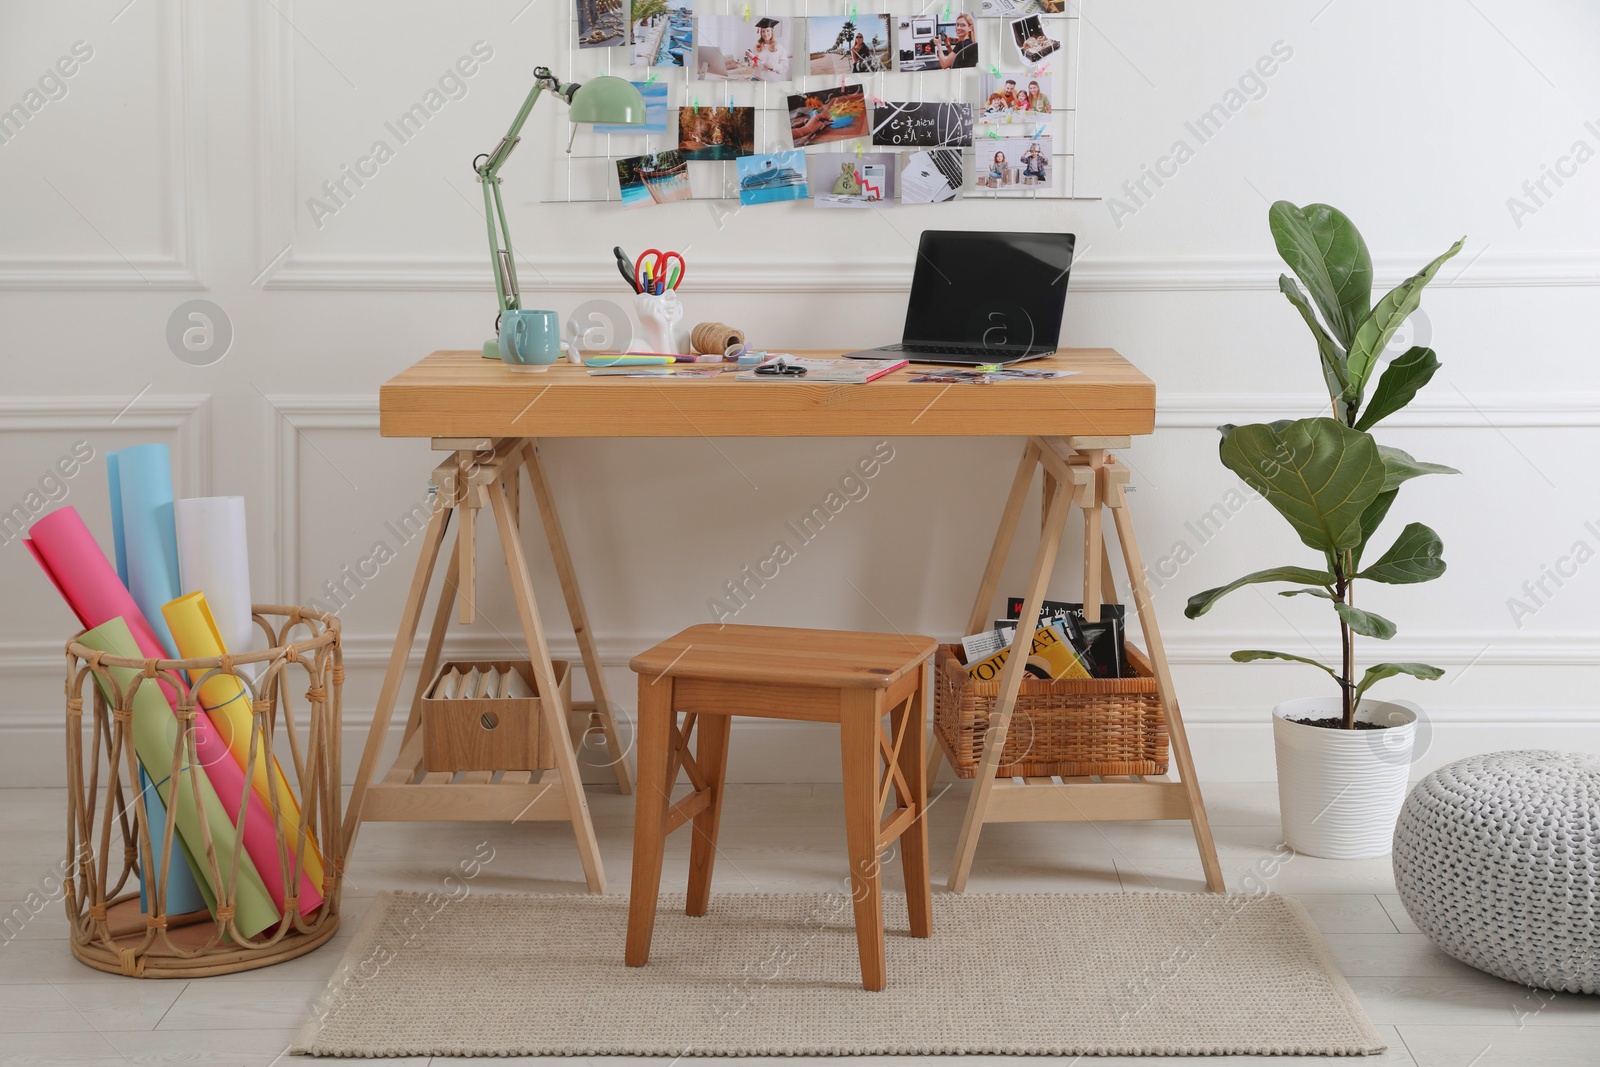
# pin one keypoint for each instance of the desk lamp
(605, 99)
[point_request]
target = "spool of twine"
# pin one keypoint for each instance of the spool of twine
(715, 338)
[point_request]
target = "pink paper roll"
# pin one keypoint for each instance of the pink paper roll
(74, 561)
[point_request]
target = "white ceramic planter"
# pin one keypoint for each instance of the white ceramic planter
(1340, 791)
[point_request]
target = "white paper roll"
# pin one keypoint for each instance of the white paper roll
(214, 558)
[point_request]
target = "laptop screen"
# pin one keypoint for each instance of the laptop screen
(998, 290)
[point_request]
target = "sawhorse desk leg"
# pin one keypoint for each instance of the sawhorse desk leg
(1081, 471)
(465, 483)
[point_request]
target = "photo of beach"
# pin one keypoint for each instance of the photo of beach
(727, 48)
(655, 110)
(840, 45)
(716, 132)
(601, 23)
(661, 32)
(657, 178)
(772, 178)
(836, 114)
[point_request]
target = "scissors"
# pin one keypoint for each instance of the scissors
(654, 274)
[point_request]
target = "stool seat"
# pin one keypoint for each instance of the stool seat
(710, 673)
(781, 655)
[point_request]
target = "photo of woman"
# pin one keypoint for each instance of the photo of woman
(1038, 102)
(961, 50)
(769, 58)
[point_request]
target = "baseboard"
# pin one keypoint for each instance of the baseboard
(1225, 749)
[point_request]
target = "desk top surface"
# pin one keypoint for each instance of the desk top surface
(461, 394)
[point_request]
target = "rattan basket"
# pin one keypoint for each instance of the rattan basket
(1067, 727)
(110, 831)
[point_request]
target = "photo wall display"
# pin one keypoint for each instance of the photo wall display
(988, 132)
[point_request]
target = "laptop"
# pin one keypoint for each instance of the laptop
(983, 297)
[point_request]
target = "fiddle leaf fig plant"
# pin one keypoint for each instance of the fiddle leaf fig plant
(1327, 476)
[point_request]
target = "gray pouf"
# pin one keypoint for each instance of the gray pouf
(1497, 859)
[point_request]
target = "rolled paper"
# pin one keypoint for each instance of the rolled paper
(64, 546)
(155, 737)
(144, 479)
(184, 881)
(183, 892)
(226, 701)
(214, 559)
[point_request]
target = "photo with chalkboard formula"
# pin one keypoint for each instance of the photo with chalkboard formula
(921, 124)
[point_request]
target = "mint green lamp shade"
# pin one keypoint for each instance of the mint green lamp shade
(613, 101)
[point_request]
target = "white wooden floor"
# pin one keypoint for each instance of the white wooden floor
(1432, 1010)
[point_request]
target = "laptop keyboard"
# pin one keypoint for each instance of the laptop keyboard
(958, 350)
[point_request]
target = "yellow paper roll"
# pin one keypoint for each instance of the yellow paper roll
(227, 704)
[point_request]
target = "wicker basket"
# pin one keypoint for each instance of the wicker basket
(1072, 726)
(109, 831)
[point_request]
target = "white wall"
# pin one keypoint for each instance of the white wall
(178, 164)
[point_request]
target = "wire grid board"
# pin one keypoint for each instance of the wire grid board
(587, 174)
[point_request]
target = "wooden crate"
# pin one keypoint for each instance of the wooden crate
(488, 734)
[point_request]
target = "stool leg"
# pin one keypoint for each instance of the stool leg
(911, 719)
(651, 795)
(711, 753)
(858, 744)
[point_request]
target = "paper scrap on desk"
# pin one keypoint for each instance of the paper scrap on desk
(226, 700)
(155, 739)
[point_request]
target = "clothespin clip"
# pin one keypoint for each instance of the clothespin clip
(994, 69)
(852, 12)
(652, 76)
(991, 133)
(696, 103)
(747, 12)
(858, 149)
(1037, 132)
(947, 10)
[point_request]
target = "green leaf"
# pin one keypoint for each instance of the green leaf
(1323, 593)
(1399, 467)
(1201, 603)
(1400, 381)
(1365, 623)
(1379, 671)
(1326, 252)
(1415, 556)
(1250, 655)
(1371, 519)
(1380, 324)
(1318, 473)
(1333, 371)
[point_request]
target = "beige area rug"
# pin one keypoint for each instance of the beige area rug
(768, 974)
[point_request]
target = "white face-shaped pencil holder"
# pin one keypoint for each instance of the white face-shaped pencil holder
(658, 322)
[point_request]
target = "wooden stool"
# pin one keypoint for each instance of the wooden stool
(711, 673)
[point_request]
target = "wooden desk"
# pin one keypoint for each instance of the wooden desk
(489, 417)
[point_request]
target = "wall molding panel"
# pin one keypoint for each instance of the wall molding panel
(186, 417)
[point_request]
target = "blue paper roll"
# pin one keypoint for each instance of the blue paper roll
(144, 479)
(114, 481)
(183, 891)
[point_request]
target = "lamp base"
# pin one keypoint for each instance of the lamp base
(491, 349)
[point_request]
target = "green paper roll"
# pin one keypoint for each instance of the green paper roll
(155, 735)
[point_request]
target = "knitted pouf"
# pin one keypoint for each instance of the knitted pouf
(1497, 859)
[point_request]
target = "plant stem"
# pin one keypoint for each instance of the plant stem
(1346, 644)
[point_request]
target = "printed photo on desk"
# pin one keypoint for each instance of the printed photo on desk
(840, 45)
(1011, 97)
(933, 176)
(657, 178)
(1014, 163)
(1031, 41)
(836, 114)
(601, 23)
(661, 33)
(716, 132)
(929, 42)
(921, 124)
(655, 111)
(727, 48)
(772, 178)
(844, 179)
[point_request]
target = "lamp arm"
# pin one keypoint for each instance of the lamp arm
(501, 258)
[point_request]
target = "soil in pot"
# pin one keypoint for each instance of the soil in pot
(1333, 722)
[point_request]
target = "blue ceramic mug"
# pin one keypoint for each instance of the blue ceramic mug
(530, 338)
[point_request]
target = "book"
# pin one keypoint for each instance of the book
(1050, 655)
(832, 371)
(1102, 640)
(449, 683)
(469, 684)
(982, 645)
(516, 687)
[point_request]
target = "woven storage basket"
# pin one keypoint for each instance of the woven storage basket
(1072, 726)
